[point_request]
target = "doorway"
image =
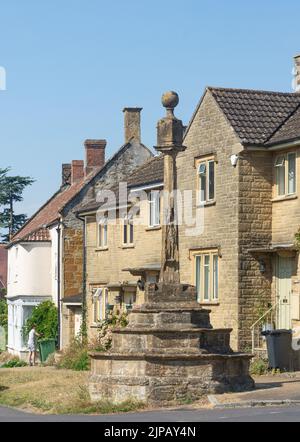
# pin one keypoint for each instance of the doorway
(284, 273)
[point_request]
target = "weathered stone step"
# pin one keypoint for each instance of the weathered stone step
(195, 340)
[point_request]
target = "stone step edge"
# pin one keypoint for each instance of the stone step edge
(168, 357)
(147, 331)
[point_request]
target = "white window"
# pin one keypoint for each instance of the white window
(103, 232)
(207, 276)
(285, 174)
(206, 178)
(128, 231)
(100, 299)
(154, 208)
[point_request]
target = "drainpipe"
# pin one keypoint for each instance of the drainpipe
(58, 285)
(84, 302)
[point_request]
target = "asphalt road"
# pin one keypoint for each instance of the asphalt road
(283, 414)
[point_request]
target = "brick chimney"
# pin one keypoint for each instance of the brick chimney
(77, 171)
(94, 154)
(66, 172)
(296, 82)
(132, 123)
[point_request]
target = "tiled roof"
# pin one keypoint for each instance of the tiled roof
(51, 210)
(289, 131)
(151, 172)
(255, 115)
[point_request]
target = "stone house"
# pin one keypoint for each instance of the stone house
(241, 165)
(46, 256)
(121, 257)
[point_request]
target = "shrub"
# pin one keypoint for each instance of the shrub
(104, 339)
(3, 313)
(45, 317)
(14, 363)
(259, 367)
(75, 357)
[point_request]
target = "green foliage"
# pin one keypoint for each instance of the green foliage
(11, 191)
(75, 357)
(297, 239)
(104, 340)
(3, 313)
(259, 367)
(45, 318)
(14, 363)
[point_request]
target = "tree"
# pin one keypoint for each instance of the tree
(45, 318)
(11, 192)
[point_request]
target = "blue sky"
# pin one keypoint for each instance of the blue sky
(72, 65)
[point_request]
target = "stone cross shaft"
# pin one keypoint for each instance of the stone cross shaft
(169, 143)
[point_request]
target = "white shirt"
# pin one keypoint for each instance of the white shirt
(31, 337)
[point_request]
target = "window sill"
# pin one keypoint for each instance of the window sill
(209, 303)
(150, 229)
(206, 204)
(127, 246)
(284, 198)
(101, 249)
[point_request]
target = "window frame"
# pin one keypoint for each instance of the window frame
(209, 185)
(127, 226)
(202, 260)
(154, 204)
(284, 165)
(100, 300)
(102, 233)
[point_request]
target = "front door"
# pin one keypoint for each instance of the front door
(284, 292)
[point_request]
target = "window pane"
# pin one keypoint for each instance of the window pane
(198, 277)
(157, 208)
(131, 232)
(125, 232)
(216, 277)
(280, 179)
(292, 172)
(211, 190)
(206, 277)
(105, 235)
(202, 188)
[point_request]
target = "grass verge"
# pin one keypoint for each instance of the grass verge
(51, 391)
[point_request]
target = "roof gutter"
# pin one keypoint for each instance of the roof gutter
(287, 145)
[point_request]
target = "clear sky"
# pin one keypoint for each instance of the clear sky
(72, 65)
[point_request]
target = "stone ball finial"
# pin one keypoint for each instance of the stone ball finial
(170, 100)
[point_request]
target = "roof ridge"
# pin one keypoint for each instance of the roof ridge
(257, 91)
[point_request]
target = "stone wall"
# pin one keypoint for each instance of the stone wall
(255, 227)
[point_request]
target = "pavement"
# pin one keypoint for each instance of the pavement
(270, 390)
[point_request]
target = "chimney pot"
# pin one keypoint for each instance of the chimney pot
(94, 154)
(66, 175)
(132, 123)
(77, 171)
(296, 83)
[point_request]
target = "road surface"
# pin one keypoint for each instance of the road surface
(283, 414)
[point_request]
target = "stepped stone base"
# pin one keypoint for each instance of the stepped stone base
(168, 352)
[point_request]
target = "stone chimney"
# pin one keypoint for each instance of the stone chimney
(94, 155)
(66, 171)
(77, 171)
(296, 82)
(132, 123)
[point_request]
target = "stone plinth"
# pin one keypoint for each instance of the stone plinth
(168, 352)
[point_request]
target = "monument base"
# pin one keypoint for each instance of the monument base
(169, 352)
